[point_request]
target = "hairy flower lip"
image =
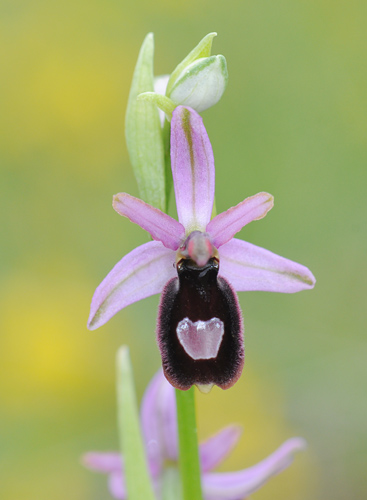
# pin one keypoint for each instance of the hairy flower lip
(159, 428)
(198, 295)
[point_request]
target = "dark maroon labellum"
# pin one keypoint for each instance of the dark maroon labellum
(200, 333)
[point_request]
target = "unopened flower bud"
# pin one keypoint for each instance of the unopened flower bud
(198, 81)
(201, 84)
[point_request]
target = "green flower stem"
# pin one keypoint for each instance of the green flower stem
(188, 445)
(131, 443)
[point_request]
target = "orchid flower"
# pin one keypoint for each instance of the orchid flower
(159, 428)
(198, 265)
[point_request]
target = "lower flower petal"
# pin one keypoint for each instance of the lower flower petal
(214, 450)
(141, 273)
(249, 267)
(158, 421)
(150, 426)
(238, 485)
(168, 414)
(116, 485)
(103, 462)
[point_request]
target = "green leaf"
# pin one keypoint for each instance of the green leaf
(131, 443)
(144, 132)
(203, 49)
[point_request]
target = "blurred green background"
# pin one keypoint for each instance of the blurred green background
(292, 122)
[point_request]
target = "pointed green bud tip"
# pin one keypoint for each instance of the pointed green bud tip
(202, 83)
(203, 49)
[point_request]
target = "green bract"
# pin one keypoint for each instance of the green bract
(144, 133)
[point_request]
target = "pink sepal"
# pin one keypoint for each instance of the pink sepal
(249, 267)
(193, 171)
(141, 273)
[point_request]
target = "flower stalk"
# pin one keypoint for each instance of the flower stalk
(188, 445)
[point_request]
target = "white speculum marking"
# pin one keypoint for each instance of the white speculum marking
(200, 339)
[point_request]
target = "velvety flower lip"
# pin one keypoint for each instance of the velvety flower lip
(159, 427)
(164, 264)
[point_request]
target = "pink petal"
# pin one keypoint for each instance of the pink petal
(158, 420)
(192, 169)
(249, 267)
(103, 462)
(159, 225)
(214, 450)
(151, 426)
(167, 399)
(225, 225)
(116, 485)
(141, 273)
(238, 485)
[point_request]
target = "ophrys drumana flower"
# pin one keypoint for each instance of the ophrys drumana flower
(198, 265)
(159, 428)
